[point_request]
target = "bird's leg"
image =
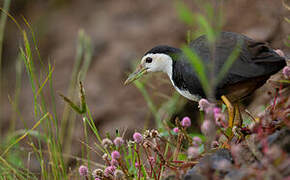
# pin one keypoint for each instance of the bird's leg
(238, 122)
(231, 111)
(238, 116)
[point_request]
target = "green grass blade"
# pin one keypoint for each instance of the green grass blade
(3, 20)
(229, 62)
(24, 135)
(150, 103)
(206, 27)
(198, 67)
(184, 13)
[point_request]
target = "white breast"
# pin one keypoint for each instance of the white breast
(165, 64)
(185, 93)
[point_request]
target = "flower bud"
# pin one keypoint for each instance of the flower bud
(186, 122)
(83, 170)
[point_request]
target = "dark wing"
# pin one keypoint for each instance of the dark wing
(255, 61)
(185, 78)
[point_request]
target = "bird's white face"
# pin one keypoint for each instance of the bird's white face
(152, 63)
(157, 62)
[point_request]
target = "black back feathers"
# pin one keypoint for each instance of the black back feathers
(255, 63)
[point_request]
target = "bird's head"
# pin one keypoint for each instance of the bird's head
(158, 59)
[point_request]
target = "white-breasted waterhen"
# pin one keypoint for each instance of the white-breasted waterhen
(255, 63)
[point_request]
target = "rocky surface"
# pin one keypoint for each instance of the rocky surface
(219, 161)
(281, 138)
(245, 160)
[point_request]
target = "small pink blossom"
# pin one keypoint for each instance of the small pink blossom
(286, 72)
(109, 171)
(217, 110)
(97, 179)
(118, 141)
(193, 152)
(186, 122)
(137, 165)
(138, 138)
(114, 162)
(203, 104)
(220, 120)
(176, 130)
(196, 141)
(115, 155)
(83, 170)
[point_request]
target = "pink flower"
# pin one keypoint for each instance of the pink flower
(203, 104)
(220, 120)
(118, 141)
(114, 162)
(137, 165)
(97, 179)
(138, 138)
(109, 171)
(286, 72)
(196, 141)
(176, 130)
(192, 152)
(83, 170)
(115, 155)
(217, 110)
(186, 122)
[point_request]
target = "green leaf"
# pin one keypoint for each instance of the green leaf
(184, 13)
(202, 137)
(201, 149)
(228, 132)
(150, 103)
(206, 27)
(182, 157)
(247, 121)
(224, 107)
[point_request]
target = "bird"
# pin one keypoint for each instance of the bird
(253, 66)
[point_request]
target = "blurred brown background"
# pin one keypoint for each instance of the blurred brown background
(121, 31)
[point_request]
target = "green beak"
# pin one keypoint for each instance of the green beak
(139, 72)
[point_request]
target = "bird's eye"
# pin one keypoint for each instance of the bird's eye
(148, 60)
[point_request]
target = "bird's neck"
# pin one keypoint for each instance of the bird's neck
(168, 69)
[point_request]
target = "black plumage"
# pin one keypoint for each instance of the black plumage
(254, 65)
